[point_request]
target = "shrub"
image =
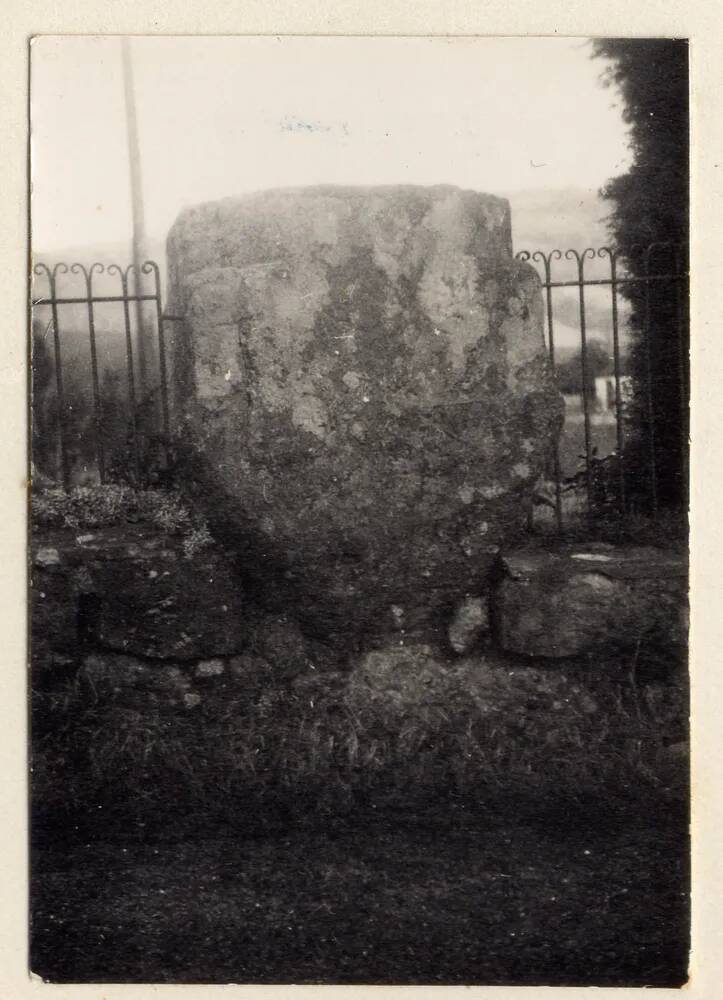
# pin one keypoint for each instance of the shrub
(105, 506)
(84, 507)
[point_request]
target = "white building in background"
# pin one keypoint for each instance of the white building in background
(605, 393)
(602, 408)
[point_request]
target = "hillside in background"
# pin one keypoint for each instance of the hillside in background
(541, 220)
(108, 317)
(568, 217)
(116, 252)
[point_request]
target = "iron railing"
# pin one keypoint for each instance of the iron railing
(562, 273)
(648, 274)
(90, 300)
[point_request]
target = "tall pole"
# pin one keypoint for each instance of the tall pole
(143, 336)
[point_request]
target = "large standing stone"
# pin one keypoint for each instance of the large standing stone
(362, 371)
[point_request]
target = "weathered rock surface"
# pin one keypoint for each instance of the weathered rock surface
(577, 599)
(362, 372)
(469, 624)
(403, 678)
(54, 608)
(136, 592)
(279, 643)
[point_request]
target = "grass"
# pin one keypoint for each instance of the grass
(250, 758)
(443, 900)
(528, 826)
(668, 529)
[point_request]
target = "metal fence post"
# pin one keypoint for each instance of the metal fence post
(59, 268)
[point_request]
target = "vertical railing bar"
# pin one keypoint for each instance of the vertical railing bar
(580, 259)
(551, 348)
(165, 418)
(60, 393)
(548, 285)
(650, 412)
(59, 387)
(97, 405)
(140, 318)
(115, 269)
(97, 402)
(619, 435)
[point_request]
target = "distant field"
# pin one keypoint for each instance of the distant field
(572, 442)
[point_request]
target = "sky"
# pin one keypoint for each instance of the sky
(220, 116)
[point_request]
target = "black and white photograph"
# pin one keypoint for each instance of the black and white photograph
(358, 523)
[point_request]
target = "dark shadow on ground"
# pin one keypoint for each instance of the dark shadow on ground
(435, 899)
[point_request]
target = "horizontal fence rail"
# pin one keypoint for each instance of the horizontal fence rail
(583, 292)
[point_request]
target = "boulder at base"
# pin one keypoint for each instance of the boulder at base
(133, 590)
(362, 377)
(577, 599)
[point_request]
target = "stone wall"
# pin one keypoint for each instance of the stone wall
(141, 623)
(129, 612)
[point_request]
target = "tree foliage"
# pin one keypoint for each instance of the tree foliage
(650, 204)
(569, 373)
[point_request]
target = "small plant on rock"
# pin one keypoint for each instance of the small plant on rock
(106, 506)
